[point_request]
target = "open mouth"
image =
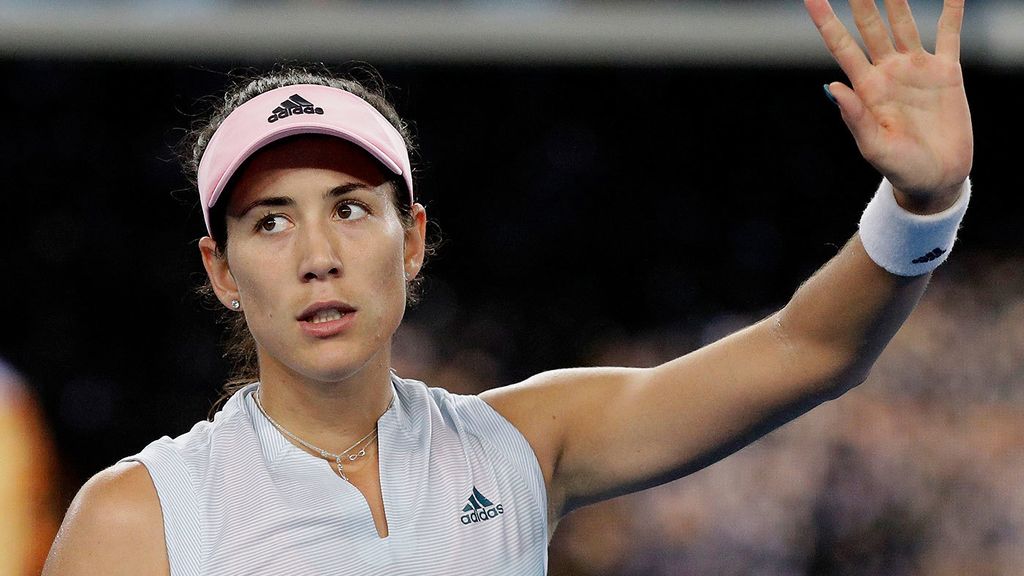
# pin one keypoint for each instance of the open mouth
(322, 312)
(327, 319)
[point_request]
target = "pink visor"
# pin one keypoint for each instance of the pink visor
(292, 110)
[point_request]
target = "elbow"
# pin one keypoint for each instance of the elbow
(830, 368)
(845, 380)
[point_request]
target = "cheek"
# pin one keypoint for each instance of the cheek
(262, 297)
(389, 275)
(387, 283)
(389, 261)
(258, 286)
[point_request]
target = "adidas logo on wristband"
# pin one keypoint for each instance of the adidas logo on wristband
(929, 256)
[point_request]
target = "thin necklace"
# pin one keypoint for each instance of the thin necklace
(324, 453)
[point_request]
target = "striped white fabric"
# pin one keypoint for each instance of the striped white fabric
(463, 494)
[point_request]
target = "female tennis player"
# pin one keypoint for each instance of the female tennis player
(332, 464)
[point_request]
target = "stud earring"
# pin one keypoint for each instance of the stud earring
(235, 304)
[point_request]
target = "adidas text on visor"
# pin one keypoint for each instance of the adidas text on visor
(292, 110)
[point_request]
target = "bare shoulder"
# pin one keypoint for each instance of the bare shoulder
(113, 526)
(547, 407)
(532, 406)
(551, 402)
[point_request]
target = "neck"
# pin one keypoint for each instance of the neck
(328, 414)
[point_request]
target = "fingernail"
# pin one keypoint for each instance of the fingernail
(828, 93)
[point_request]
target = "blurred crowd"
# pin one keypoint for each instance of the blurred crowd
(917, 471)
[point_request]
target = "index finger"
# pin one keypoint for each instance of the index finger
(947, 41)
(838, 39)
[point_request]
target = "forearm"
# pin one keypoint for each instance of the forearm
(846, 313)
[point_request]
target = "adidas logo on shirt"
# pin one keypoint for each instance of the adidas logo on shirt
(480, 509)
(295, 104)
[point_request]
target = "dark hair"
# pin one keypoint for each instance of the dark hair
(240, 347)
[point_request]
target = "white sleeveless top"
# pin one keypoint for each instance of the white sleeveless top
(463, 494)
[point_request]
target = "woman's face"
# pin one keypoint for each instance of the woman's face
(318, 258)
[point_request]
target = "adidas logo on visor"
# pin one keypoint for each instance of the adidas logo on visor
(295, 104)
(480, 509)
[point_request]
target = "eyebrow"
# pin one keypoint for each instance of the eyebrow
(346, 189)
(287, 201)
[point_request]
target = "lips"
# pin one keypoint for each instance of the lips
(326, 319)
(320, 312)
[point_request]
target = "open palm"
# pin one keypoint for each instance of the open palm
(907, 109)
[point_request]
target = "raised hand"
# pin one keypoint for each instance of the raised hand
(907, 109)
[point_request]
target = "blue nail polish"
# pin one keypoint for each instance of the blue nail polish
(828, 93)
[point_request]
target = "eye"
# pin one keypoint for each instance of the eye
(272, 224)
(351, 211)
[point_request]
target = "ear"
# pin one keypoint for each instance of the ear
(415, 241)
(217, 270)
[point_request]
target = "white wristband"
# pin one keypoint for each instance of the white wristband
(905, 243)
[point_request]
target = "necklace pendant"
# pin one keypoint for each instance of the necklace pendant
(324, 453)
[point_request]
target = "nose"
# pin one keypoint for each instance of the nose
(320, 257)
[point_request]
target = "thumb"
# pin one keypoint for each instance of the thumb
(860, 122)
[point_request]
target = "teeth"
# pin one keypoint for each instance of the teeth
(326, 316)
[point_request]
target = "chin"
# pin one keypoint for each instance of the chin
(321, 371)
(326, 360)
(333, 367)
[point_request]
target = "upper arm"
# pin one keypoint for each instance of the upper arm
(601, 432)
(113, 526)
